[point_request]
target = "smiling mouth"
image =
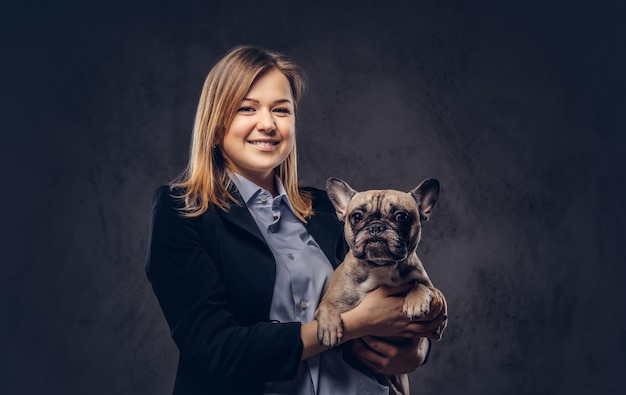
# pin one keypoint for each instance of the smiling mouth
(264, 143)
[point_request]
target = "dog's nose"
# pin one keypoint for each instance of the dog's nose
(376, 229)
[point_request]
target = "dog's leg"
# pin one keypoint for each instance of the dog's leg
(339, 298)
(329, 324)
(417, 301)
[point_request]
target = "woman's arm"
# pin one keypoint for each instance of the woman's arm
(380, 314)
(193, 297)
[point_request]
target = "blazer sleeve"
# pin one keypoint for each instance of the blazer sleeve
(193, 299)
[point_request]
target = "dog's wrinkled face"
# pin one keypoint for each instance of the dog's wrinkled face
(382, 226)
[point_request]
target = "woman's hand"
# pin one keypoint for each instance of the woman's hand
(385, 357)
(380, 314)
(393, 355)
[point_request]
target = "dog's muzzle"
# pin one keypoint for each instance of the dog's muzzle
(376, 228)
(379, 243)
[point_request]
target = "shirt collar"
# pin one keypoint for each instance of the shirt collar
(250, 190)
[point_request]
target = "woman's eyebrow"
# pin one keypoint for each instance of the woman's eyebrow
(279, 101)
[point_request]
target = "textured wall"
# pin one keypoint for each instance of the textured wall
(516, 107)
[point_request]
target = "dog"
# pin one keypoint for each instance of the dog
(382, 229)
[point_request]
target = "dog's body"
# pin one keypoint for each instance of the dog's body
(382, 229)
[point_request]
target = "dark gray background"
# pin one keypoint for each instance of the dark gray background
(516, 107)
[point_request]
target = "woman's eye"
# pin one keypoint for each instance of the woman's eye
(283, 110)
(245, 109)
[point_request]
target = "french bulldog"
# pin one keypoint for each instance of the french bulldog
(382, 229)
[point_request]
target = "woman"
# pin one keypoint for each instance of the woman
(239, 255)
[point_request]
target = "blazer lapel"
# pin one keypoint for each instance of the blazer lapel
(257, 280)
(239, 215)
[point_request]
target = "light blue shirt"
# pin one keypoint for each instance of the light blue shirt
(302, 275)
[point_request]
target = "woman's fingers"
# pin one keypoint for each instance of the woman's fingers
(389, 357)
(369, 356)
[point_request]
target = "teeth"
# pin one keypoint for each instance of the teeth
(265, 143)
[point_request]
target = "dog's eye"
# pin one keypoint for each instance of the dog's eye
(356, 218)
(402, 217)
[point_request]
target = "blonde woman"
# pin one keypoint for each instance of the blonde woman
(239, 254)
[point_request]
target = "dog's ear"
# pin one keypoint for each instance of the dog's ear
(340, 194)
(426, 195)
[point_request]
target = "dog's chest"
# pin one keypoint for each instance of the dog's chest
(384, 275)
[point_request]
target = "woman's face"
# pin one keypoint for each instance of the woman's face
(262, 134)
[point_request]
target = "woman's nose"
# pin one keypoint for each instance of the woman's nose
(265, 122)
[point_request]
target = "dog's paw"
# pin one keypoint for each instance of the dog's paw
(329, 328)
(438, 333)
(417, 302)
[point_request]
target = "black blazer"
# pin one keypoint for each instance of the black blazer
(213, 276)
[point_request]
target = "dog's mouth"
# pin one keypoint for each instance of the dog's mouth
(380, 251)
(377, 249)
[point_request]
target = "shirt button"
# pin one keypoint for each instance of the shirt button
(290, 256)
(304, 304)
(264, 198)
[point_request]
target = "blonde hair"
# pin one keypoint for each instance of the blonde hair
(205, 181)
